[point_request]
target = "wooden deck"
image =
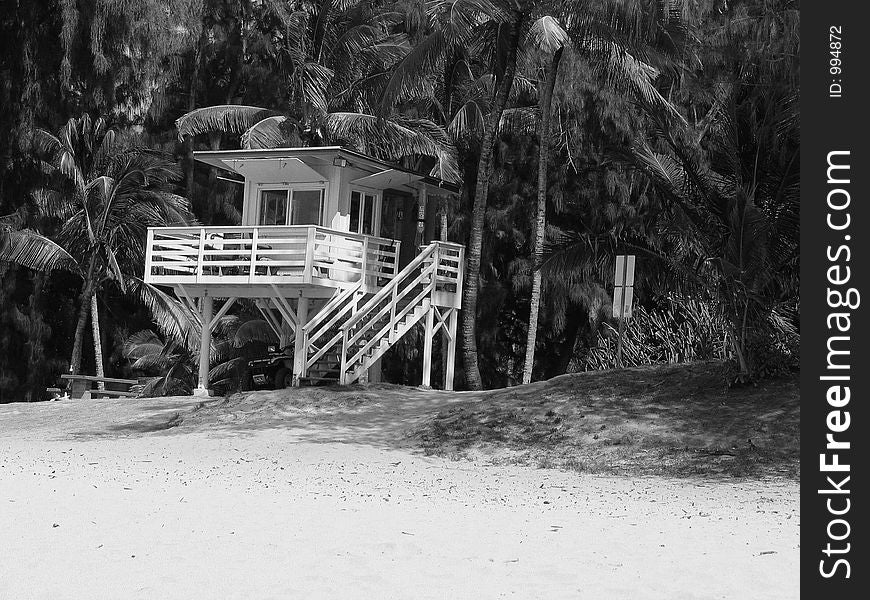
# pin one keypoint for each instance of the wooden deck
(247, 258)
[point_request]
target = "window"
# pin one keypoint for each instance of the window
(363, 214)
(307, 207)
(290, 207)
(273, 207)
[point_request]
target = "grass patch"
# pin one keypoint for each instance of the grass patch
(671, 420)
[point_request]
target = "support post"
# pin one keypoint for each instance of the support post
(427, 346)
(204, 347)
(450, 336)
(149, 253)
(300, 352)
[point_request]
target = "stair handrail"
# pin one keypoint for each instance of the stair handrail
(387, 289)
(424, 266)
(429, 270)
(335, 301)
(336, 306)
(392, 325)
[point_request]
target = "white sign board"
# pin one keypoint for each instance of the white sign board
(623, 286)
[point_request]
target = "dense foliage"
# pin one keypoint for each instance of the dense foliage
(669, 130)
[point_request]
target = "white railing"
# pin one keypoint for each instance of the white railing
(433, 278)
(268, 254)
(322, 333)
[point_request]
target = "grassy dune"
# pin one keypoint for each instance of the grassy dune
(673, 420)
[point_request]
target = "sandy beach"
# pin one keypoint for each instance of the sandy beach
(97, 501)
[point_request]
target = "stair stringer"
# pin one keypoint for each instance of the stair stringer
(385, 343)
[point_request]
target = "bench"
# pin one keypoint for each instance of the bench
(85, 386)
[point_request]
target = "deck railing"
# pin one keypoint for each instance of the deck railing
(268, 254)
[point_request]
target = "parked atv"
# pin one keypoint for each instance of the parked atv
(273, 371)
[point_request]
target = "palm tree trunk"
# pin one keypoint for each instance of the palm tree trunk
(191, 105)
(475, 242)
(545, 104)
(98, 342)
(445, 352)
(75, 362)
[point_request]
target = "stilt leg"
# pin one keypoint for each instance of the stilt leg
(427, 347)
(204, 348)
(300, 354)
(449, 334)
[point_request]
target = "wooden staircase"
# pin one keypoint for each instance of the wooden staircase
(354, 329)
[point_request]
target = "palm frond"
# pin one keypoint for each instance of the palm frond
(267, 133)
(520, 120)
(228, 118)
(413, 70)
(171, 317)
(547, 35)
(254, 330)
(391, 138)
(34, 251)
(468, 121)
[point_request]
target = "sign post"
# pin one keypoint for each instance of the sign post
(623, 295)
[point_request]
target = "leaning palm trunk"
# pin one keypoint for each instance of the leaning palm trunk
(545, 103)
(84, 307)
(475, 243)
(98, 343)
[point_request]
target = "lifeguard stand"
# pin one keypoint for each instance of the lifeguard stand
(332, 248)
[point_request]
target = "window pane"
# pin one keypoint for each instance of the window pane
(273, 207)
(306, 207)
(368, 219)
(354, 211)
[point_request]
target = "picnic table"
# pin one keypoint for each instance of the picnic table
(85, 386)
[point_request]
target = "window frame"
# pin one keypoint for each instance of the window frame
(290, 190)
(376, 210)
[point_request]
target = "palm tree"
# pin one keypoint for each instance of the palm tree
(238, 339)
(505, 34)
(334, 56)
(612, 52)
(731, 225)
(545, 102)
(101, 196)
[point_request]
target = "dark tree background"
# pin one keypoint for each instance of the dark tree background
(697, 175)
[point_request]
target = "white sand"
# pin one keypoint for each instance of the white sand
(321, 507)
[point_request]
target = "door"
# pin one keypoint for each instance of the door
(364, 212)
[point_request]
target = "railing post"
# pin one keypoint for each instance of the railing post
(460, 278)
(309, 255)
(394, 299)
(254, 241)
(199, 258)
(365, 261)
(149, 254)
(397, 252)
(436, 260)
(342, 373)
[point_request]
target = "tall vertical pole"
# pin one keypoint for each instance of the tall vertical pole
(449, 335)
(445, 356)
(427, 346)
(300, 352)
(204, 347)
